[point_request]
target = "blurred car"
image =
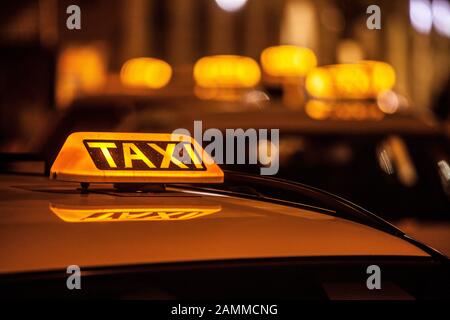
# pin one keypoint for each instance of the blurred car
(391, 164)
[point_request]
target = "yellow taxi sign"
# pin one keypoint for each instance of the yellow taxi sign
(136, 214)
(288, 61)
(382, 74)
(146, 72)
(363, 80)
(104, 157)
(226, 71)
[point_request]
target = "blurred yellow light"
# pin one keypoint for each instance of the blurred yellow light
(81, 69)
(288, 61)
(319, 83)
(364, 80)
(226, 71)
(383, 75)
(146, 72)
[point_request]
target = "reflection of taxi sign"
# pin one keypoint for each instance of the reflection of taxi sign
(134, 158)
(118, 214)
(226, 71)
(364, 80)
(288, 61)
(146, 72)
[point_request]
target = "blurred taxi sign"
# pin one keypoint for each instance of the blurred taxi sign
(80, 70)
(123, 213)
(288, 61)
(226, 71)
(134, 158)
(146, 72)
(363, 80)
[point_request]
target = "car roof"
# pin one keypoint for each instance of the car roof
(44, 227)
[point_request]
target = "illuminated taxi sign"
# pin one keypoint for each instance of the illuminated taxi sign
(364, 80)
(226, 71)
(146, 72)
(288, 61)
(383, 75)
(134, 157)
(122, 214)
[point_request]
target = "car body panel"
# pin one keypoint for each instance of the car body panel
(36, 238)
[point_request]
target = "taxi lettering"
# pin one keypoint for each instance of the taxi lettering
(143, 155)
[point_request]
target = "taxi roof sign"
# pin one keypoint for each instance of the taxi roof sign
(288, 61)
(146, 72)
(104, 157)
(363, 80)
(227, 71)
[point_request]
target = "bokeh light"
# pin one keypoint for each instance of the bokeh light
(288, 61)
(388, 102)
(363, 80)
(420, 15)
(441, 17)
(231, 5)
(81, 70)
(146, 72)
(227, 71)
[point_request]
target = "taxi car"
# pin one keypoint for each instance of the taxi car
(151, 216)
